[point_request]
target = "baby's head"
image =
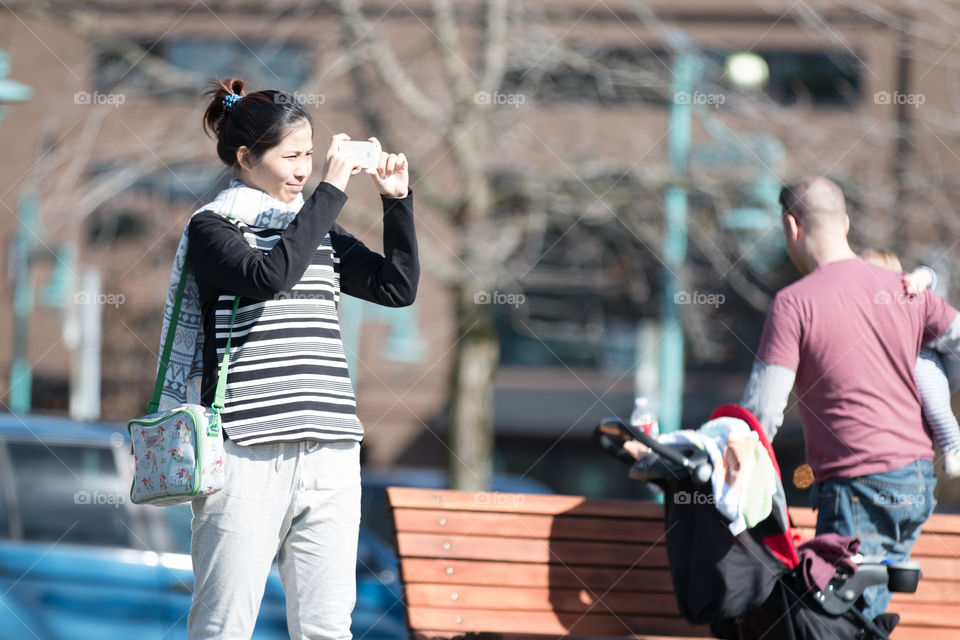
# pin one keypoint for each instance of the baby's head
(882, 258)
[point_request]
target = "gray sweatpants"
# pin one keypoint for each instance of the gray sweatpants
(299, 499)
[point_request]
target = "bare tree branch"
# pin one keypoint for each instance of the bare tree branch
(137, 56)
(385, 61)
(495, 51)
(459, 75)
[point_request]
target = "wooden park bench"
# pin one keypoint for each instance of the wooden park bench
(513, 565)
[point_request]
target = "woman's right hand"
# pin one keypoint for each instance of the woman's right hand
(339, 166)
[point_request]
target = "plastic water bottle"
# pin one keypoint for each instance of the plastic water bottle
(643, 418)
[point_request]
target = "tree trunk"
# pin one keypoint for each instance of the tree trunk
(470, 430)
(477, 351)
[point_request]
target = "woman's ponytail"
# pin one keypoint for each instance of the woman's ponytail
(257, 121)
(219, 92)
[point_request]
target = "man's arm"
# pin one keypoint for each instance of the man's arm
(941, 332)
(775, 366)
(767, 393)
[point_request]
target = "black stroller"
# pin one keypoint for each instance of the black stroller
(751, 585)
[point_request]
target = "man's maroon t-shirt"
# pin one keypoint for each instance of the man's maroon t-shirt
(853, 337)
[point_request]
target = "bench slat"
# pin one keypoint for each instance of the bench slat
(928, 615)
(908, 632)
(929, 591)
(405, 497)
(434, 635)
(937, 545)
(635, 582)
(523, 525)
(464, 598)
(516, 574)
(493, 621)
(927, 546)
(609, 554)
(937, 523)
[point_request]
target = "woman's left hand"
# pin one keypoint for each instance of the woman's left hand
(391, 175)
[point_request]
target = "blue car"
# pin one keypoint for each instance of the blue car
(79, 561)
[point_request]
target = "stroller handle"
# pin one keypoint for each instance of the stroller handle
(700, 472)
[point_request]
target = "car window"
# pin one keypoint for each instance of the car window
(177, 519)
(374, 512)
(70, 494)
(375, 557)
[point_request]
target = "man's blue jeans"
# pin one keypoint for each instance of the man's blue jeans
(884, 510)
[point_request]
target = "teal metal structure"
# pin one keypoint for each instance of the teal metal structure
(20, 259)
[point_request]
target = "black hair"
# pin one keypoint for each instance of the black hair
(258, 121)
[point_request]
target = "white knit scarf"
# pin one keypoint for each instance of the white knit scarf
(240, 203)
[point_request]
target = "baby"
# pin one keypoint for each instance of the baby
(931, 376)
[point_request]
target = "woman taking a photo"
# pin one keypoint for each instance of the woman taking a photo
(292, 437)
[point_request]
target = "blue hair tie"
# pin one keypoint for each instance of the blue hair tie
(230, 100)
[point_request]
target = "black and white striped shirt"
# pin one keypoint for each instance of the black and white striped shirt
(288, 379)
(934, 390)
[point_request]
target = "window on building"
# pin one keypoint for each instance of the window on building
(260, 63)
(607, 76)
(638, 75)
(820, 79)
(126, 216)
(584, 285)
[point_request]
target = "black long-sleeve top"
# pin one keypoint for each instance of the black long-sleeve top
(288, 378)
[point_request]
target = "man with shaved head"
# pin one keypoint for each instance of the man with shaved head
(815, 218)
(847, 337)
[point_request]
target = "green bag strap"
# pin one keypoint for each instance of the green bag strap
(154, 405)
(168, 343)
(218, 397)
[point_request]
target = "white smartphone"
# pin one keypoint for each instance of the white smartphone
(367, 152)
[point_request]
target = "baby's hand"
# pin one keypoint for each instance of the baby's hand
(635, 448)
(951, 464)
(917, 281)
